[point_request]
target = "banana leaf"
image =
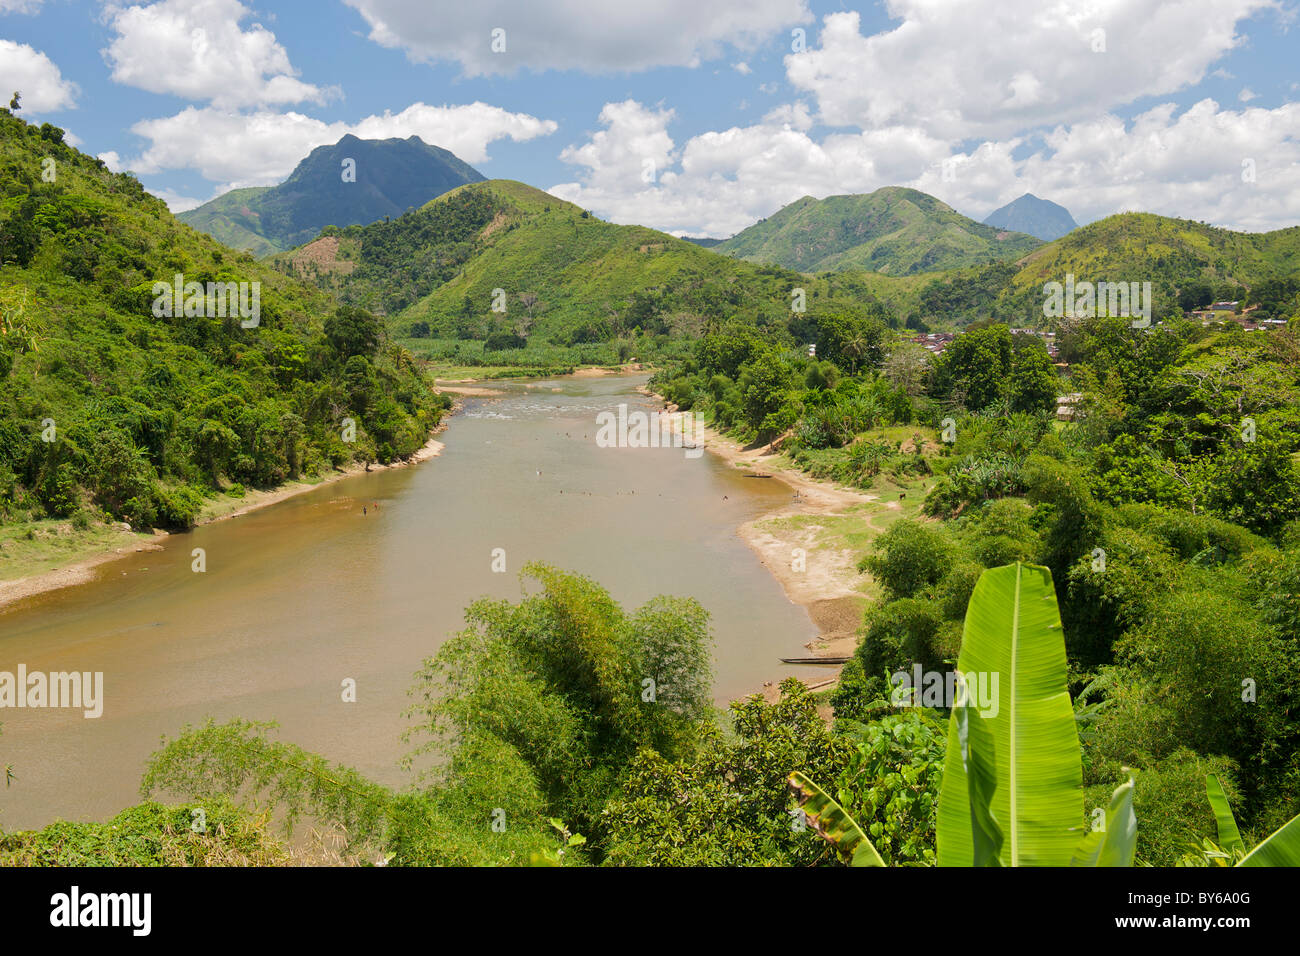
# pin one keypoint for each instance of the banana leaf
(1013, 632)
(1280, 849)
(833, 823)
(1113, 846)
(1229, 835)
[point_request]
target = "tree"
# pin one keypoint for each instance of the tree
(353, 331)
(976, 367)
(15, 102)
(851, 340)
(764, 383)
(1034, 383)
(905, 368)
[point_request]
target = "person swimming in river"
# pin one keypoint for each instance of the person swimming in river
(363, 511)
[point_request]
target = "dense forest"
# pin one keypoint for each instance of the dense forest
(1166, 505)
(109, 411)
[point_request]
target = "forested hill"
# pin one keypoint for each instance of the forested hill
(892, 230)
(1189, 265)
(564, 276)
(109, 409)
(352, 181)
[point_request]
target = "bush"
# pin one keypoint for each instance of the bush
(179, 506)
(907, 557)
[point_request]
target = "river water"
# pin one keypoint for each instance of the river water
(301, 595)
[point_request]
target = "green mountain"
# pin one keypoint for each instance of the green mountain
(353, 181)
(113, 404)
(1189, 264)
(892, 230)
(565, 277)
(1040, 218)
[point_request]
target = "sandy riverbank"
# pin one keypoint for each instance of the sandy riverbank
(803, 545)
(82, 570)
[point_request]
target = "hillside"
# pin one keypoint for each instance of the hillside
(567, 277)
(1040, 218)
(1189, 264)
(391, 176)
(113, 405)
(892, 230)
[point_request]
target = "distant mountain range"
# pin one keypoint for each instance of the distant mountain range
(1041, 218)
(567, 276)
(893, 230)
(385, 177)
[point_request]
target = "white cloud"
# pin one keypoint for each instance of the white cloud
(593, 35)
(989, 68)
(33, 74)
(1187, 165)
(196, 49)
(719, 182)
(742, 68)
(177, 202)
(1247, 94)
(20, 6)
(262, 148)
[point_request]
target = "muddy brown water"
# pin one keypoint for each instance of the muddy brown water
(301, 595)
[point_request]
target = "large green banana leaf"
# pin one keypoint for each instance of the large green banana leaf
(1280, 849)
(1229, 835)
(1013, 630)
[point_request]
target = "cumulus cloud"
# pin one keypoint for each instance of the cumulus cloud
(20, 6)
(1239, 169)
(197, 49)
(988, 68)
(719, 182)
(34, 75)
(593, 35)
(263, 147)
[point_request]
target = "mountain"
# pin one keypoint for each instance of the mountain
(566, 277)
(146, 411)
(391, 176)
(1038, 217)
(893, 230)
(1189, 264)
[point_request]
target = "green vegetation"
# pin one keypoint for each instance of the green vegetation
(205, 833)
(562, 729)
(499, 273)
(1166, 510)
(110, 412)
(892, 230)
(1010, 793)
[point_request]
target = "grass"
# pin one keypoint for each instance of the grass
(29, 548)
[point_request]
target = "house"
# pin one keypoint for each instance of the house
(1067, 406)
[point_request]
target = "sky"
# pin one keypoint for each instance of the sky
(697, 117)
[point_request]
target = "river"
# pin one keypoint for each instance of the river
(301, 595)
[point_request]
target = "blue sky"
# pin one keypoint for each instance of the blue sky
(697, 117)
